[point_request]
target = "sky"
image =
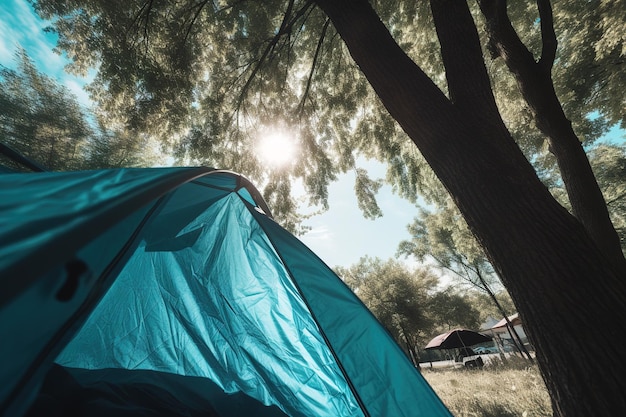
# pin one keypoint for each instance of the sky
(339, 236)
(342, 235)
(19, 26)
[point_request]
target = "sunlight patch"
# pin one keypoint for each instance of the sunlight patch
(277, 148)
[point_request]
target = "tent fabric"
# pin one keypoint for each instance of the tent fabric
(48, 222)
(45, 215)
(122, 392)
(197, 282)
(204, 305)
(371, 358)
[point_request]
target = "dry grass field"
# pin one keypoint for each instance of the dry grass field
(515, 389)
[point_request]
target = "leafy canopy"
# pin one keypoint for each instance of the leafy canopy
(207, 77)
(43, 120)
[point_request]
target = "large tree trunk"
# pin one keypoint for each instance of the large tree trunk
(535, 83)
(571, 298)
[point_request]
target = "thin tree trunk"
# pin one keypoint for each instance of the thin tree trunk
(569, 296)
(516, 339)
(520, 347)
(411, 350)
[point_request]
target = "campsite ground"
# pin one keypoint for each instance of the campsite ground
(497, 390)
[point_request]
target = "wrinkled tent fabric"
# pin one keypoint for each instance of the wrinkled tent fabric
(457, 338)
(180, 271)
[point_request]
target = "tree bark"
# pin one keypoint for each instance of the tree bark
(571, 298)
(535, 82)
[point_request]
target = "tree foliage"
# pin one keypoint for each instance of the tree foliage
(407, 301)
(395, 295)
(484, 304)
(609, 165)
(452, 310)
(41, 119)
(110, 148)
(206, 77)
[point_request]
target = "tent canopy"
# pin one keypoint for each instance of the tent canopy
(178, 279)
(500, 326)
(457, 338)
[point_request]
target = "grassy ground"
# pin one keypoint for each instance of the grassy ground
(498, 390)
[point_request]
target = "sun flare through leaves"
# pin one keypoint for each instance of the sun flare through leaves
(277, 149)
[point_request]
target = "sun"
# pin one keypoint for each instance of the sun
(277, 149)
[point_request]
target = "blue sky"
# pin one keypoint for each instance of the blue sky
(20, 26)
(340, 236)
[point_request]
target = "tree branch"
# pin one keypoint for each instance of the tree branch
(285, 28)
(617, 198)
(503, 39)
(466, 74)
(200, 7)
(284, 23)
(302, 26)
(140, 13)
(314, 63)
(387, 68)
(548, 35)
(147, 22)
(536, 85)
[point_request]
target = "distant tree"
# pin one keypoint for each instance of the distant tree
(444, 237)
(451, 310)
(398, 297)
(41, 119)
(109, 148)
(487, 309)
(609, 165)
(407, 301)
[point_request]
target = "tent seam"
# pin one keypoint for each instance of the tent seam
(356, 395)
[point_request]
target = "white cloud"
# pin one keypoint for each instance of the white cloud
(10, 38)
(18, 27)
(6, 53)
(319, 233)
(25, 17)
(38, 44)
(49, 61)
(77, 89)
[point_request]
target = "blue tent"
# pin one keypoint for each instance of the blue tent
(171, 291)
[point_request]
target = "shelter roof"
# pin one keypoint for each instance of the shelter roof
(514, 319)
